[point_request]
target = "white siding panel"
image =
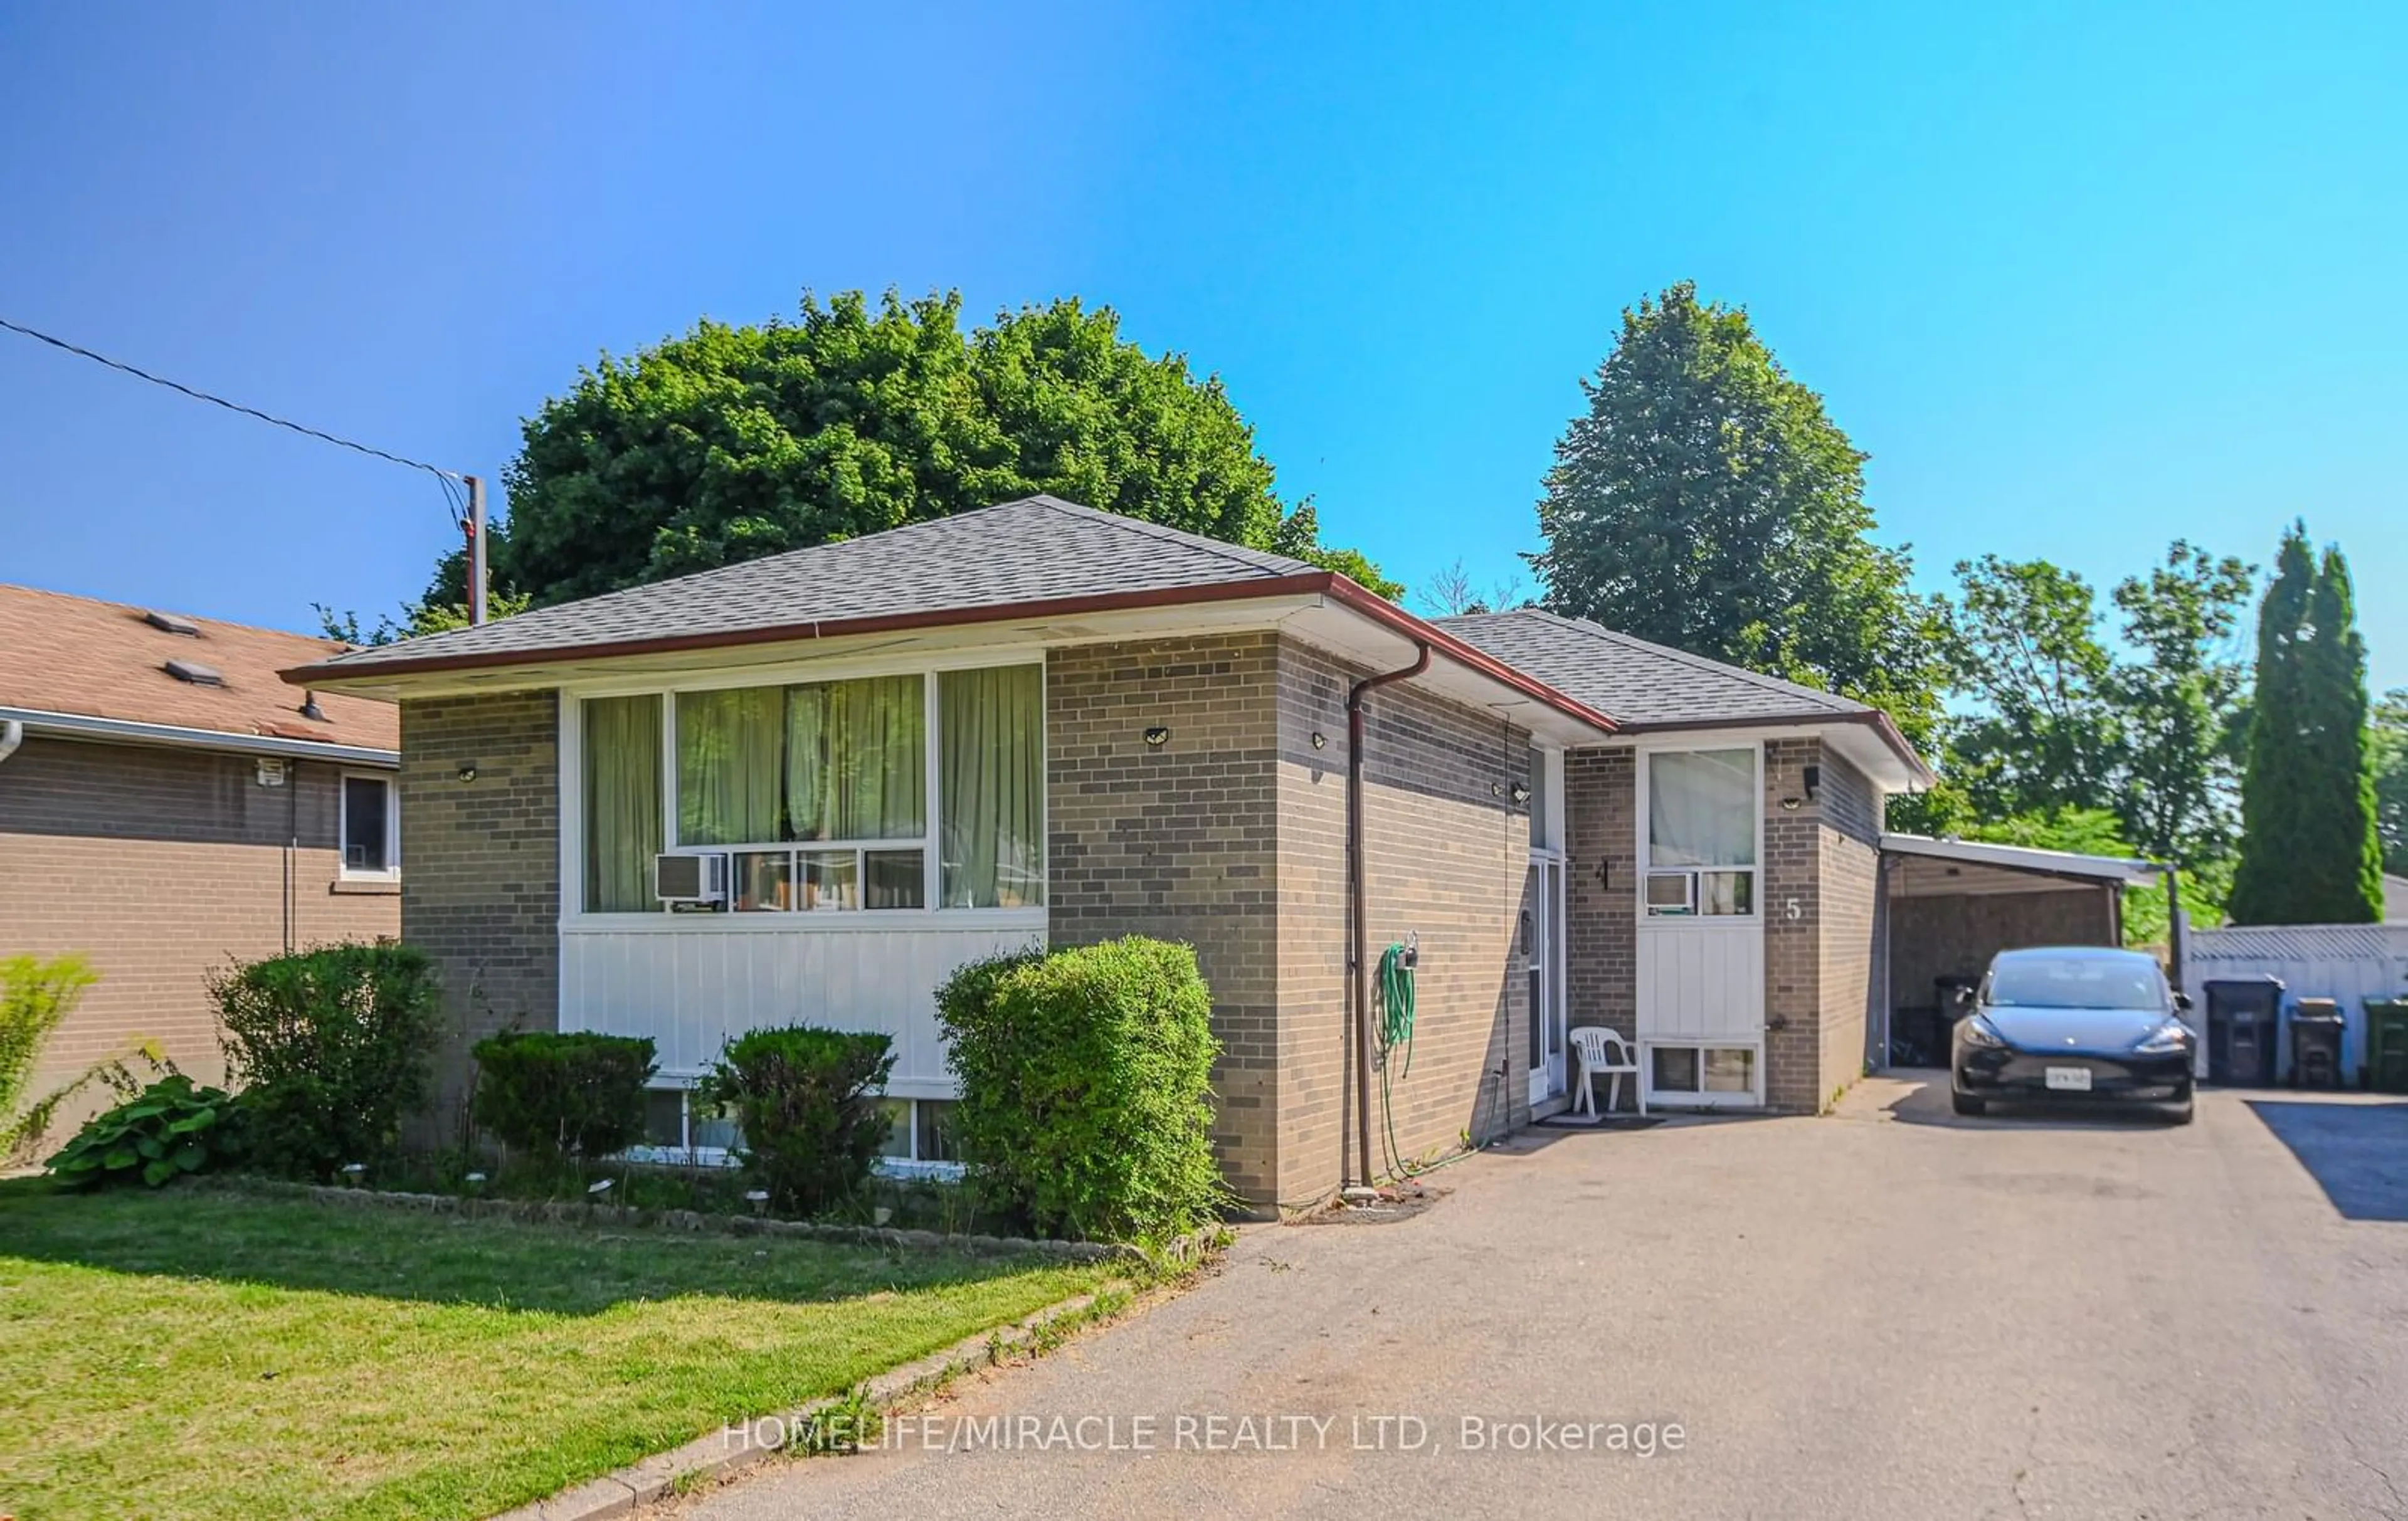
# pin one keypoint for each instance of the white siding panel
(2347, 963)
(1701, 981)
(692, 988)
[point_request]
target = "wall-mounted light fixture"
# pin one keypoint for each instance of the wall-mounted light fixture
(469, 771)
(1158, 737)
(1320, 740)
(1791, 805)
(1521, 794)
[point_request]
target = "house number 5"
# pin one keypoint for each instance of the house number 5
(1795, 912)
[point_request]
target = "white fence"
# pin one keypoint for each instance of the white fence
(2346, 963)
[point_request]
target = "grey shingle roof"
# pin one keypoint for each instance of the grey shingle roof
(1637, 683)
(1037, 549)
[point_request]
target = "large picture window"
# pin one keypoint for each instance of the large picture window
(819, 793)
(1701, 814)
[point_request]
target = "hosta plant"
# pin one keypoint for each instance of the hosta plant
(172, 1127)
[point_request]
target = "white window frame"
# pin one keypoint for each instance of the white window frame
(928, 667)
(1700, 1097)
(1648, 871)
(391, 870)
(925, 842)
(686, 1153)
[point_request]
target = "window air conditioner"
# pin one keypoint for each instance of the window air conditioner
(690, 878)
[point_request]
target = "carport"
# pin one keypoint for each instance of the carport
(1948, 905)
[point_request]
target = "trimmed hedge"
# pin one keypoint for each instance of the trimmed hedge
(807, 1103)
(330, 1048)
(1087, 1100)
(562, 1094)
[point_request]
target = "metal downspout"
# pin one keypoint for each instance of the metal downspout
(1358, 951)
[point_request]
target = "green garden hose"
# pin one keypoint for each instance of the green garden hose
(1396, 1005)
(1395, 1032)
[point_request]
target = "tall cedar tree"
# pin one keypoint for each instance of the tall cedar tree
(1706, 501)
(729, 443)
(2309, 851)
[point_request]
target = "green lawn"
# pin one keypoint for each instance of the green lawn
(208, 1354)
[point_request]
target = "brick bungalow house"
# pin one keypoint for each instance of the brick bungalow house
(1038, 723)
(167, 803)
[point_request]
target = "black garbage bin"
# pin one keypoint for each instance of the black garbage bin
(2315, 1043)
(2240, 1025)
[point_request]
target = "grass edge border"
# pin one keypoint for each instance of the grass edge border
(712, 1460)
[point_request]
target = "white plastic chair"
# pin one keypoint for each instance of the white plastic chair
(1604, 1051)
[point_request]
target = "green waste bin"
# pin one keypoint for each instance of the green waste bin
(2387, 1045)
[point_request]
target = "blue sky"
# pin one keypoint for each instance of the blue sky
(2081, 282)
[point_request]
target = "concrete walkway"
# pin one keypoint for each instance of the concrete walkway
(1888, 1311)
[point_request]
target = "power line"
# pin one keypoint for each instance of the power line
(447, 477)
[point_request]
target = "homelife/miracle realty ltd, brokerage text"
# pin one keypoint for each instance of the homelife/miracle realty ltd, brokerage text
(1190, 1431)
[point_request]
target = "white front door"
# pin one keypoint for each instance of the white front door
(1544, 904)
(1700, 970)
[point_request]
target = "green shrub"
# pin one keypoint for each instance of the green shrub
(807, 1102)
(1086, 1087)
(566, 1095)
(170, 1128)
(35, 997)
(331, 1048)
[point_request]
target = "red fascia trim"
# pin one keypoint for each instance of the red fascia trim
(1059, 607)
(1380, 610)
(1328, 584)
(1875, 719)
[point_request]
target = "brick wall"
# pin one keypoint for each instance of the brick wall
(1793, 941)
(160, 866)
(481, 874)
(1178, 841)
(1823, 856)
(1231, 837)
(1956, 935)
(1447, 856)
(1851, 808)
(1600, 831)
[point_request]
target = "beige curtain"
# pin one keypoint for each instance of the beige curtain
(623, 802)
(991, 780)
(857, 759)
(730, 749)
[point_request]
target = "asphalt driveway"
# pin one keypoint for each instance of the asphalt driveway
(1888, 1311)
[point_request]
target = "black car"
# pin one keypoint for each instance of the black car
(2074, 1023)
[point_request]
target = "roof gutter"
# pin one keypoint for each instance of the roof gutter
(16, 720)
(1325, 583)
(1883, 725)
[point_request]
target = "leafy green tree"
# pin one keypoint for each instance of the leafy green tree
(2388, 737)
(2058, 722)
(1705, 500)
(2347, 885)
(732, 442)
(2179, 709)
(2024, 645)
(2309, 850)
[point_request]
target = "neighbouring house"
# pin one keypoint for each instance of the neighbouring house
(2395, 899)
(168, 804)
(807, 788)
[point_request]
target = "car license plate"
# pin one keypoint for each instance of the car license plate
(2069, 1079)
